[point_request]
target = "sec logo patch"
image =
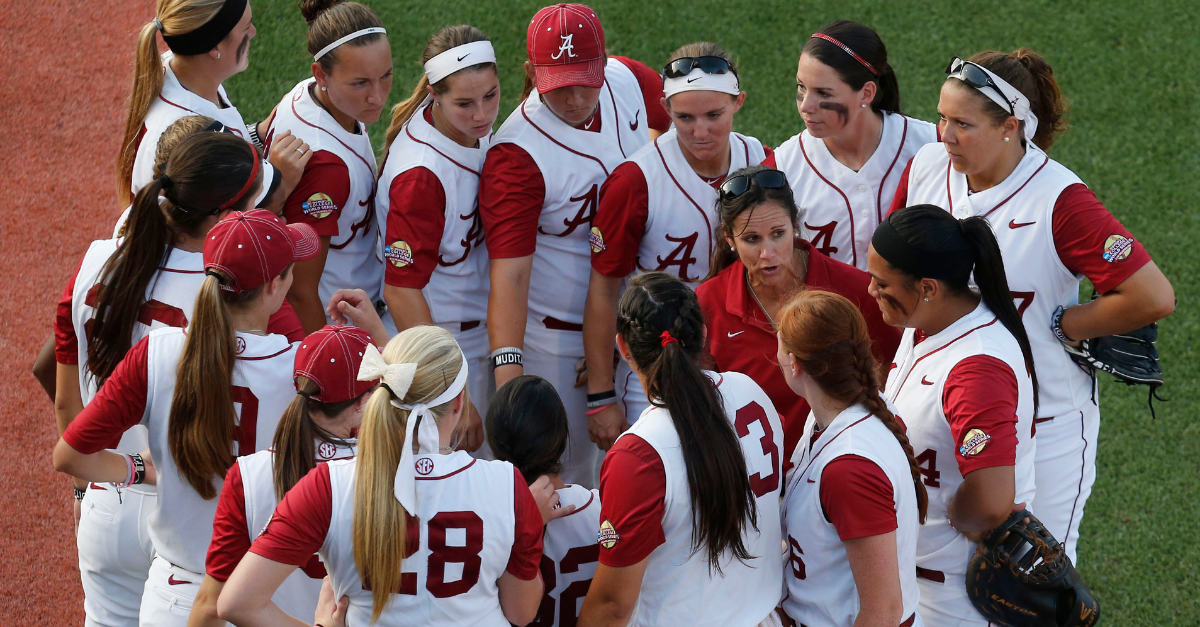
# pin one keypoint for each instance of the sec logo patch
(399, 253)
(326, 450)
(1117, 248)
(318, 206)
(596, 240)
(974, 443)
(424, 466)
(607, 537)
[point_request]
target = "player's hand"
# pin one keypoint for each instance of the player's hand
(151, 473)
(581, 372)
(355, 307)
(605, 426)
(547, 500)
(330, 613)
(290, 154)
(470, 430)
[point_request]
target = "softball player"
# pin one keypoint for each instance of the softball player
(964, 382)
(352, 75)
(123, 290)
(855, 502)
(846, 163)
(527, 426)
(999, 114)
(318, 426)
(474, 530)
(435, 269)
(581, 116)
(656, 212)
(230, 396)
(689, 531)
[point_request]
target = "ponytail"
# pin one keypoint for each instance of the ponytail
(828, 336)
(1029, 73)
(660, 320)
(296, 434)
(865, 43)
(528, 87)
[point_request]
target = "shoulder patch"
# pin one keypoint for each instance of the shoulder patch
(596, 240)
(318, 205)
(398, 253)
(974, 443)
(607, 537)
(1117, 248)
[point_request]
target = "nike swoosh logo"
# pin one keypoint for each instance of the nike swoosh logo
(811, 481)
(735, 334)
(1013, 224)
(925, 381)
(175, 582)
(692, 80)
(464, 56)
(633, 126)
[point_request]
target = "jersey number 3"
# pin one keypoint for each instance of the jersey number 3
(754, 414)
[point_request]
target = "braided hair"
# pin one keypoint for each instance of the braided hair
(828, 336)
(659, 318)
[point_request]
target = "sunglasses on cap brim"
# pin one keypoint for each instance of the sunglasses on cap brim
(976, 77)
(708, 64)
(767, 179)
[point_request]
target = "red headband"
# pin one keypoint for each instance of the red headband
(847, 50)
(249, 182)
(667, 339)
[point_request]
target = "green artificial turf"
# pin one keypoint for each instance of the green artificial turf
(1130, 71)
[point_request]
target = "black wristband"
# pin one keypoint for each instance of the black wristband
(601, 396)
(1056, 325)
(139, 469)
(507, 359)
(79, 492)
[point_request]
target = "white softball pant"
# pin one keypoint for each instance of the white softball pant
(1065, 470)
(945, 604)
(581, 461)
(168, 595)
(114, 554)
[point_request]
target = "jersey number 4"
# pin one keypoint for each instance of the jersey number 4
(927, 464)
(568, 599)
(752, 414)
(441, 554)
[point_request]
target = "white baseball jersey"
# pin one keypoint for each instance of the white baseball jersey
(1021, 212)
(354, 259)
(916, 386)
(820, 585)
(682, 209)
(466, 522)
(297, 595)
(175, 102)
(181, 525)
(170, 298)
(458, 289)
(678, 587)
(574, 164)
(839, 207)
(569, 557)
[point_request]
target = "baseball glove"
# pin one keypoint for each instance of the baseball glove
(1020, 576)
(1130, 357)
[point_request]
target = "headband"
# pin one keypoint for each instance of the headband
(847, 50)
(458, 58)
(699, 80)
(209, 34)
(269, 175)
(250, 181)
(1012, 100)
(355, 35)
(397, 378)
(944, 265)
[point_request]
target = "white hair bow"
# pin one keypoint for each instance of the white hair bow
(397, 377)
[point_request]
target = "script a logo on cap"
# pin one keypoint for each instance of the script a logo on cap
(566, 46)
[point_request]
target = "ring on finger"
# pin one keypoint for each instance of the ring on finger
(300, 150)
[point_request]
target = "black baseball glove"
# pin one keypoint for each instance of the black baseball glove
(1130, 357)
(1020, 576)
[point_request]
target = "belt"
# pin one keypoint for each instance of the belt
(560, 325)
(1041, 420)
(467, 326)
(932, 575)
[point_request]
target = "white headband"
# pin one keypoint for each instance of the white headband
(268, 177)
(1012, 100)
(458, 58)
(355, 35)
(398, 378)
(699, 80)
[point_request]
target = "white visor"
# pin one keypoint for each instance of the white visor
(698, 80)
(1013, 101)
(268, 176)
(458, 58)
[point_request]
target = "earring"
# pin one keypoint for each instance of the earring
(324, 89)
(437, 104)
(1007, 138)
(218, 55)
(863, 106)
(927, 300)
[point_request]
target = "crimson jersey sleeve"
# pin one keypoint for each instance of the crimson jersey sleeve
(66, 343)
(511, 193)
(526, 555)
(633, 492)
(900, 200)
(323, 191)
(1092, 242)
(285, 322)
(621, 221)
(417, 218)
(119, 405)
(652, 93)
(298, 526)
(857, 498)
(770, 158)
(980, 402)
(231, 536)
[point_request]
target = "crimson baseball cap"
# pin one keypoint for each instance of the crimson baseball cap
(566, 47)
(330, 358)
(253, 247)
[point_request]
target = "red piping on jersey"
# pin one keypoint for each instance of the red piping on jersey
(434, 148)
(950, 199)
(813, 459)
(591, 497)
(181, 271)
(266, 357)
(708, 230)
(947, 344)
(562, 145)
(473, 460)
(849, 209)
(616, 118)
(879, 194)
(179, 106)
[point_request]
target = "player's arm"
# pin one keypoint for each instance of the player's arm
(612, 596)
(245, 600)
(304, 295)
(599, 331)
(1145, 297)
(416, 220)
(407, 306)
(204, 608)
(876, 576)
(43, 367)
(508, 307)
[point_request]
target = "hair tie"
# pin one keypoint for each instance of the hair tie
(667, 339)
(847, 50)
(158, 24)
(165, 182)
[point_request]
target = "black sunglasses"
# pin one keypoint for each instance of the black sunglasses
(708, 64)
(767, 179)
(976, 77)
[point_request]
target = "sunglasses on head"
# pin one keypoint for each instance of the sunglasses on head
(735, 186)
(684, 65)
(976, 77)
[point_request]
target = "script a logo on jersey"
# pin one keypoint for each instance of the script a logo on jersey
(596, 240)
(565, 47)
(1117, 248)
(681, 256)
(973, 443)
(607, 537)
(587, 211)
(318, 206)
(399, 253)
(424, 466)
(822, 236)
(473, 238)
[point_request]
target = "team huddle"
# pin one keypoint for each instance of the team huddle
(610, 364)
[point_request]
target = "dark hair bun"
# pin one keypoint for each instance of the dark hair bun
(310, 9)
